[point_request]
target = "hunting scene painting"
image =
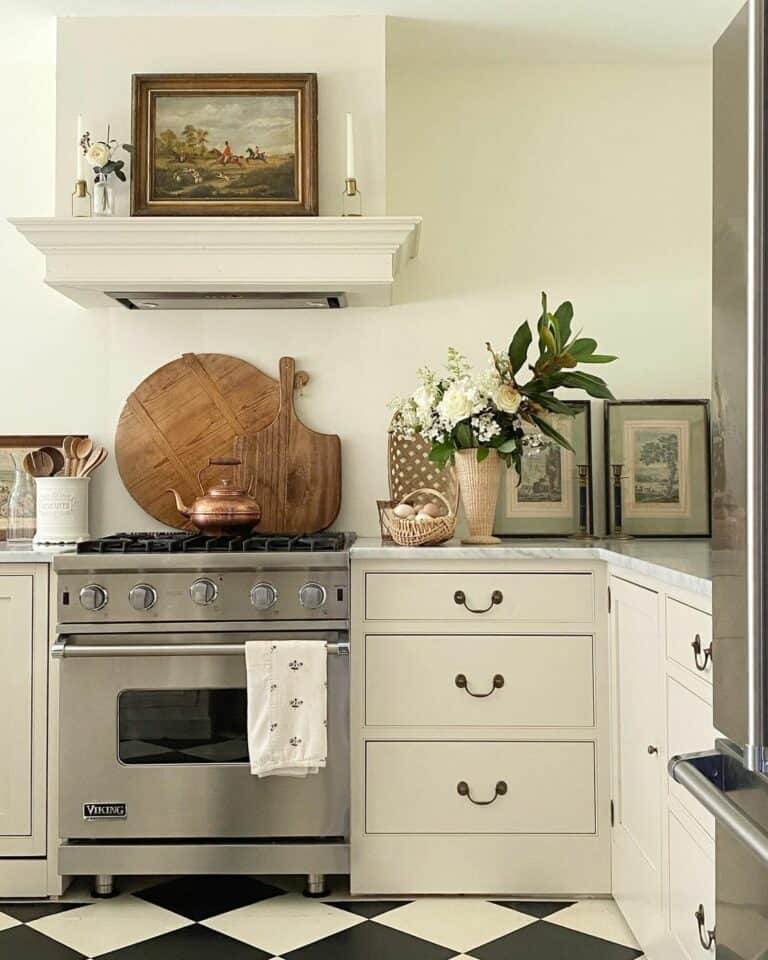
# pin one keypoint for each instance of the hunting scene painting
(225, 145)
(221, 147)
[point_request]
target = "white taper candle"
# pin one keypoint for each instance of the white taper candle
(350, 148)
(80, 168)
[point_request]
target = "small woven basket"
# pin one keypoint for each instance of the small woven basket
(421, 533)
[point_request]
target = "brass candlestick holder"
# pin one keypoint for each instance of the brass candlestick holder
(617, 475)
(585, 520)
(351, 199)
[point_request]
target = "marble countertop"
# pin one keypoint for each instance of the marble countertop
(681, 563)
(26, 553)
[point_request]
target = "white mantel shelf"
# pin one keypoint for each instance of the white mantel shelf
(359, 256)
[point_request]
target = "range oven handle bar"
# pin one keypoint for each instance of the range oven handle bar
(696, 772)
(63, 650)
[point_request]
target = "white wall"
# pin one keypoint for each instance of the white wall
(591, 182)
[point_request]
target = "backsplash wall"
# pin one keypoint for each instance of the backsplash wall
(592, 182)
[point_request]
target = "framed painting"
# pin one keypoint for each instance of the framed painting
(544, 500)
(13, 449)
(242, 144)
(657, 453)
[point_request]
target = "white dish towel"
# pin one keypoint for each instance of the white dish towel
(287, 706)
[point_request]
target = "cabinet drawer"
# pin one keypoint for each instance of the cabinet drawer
(684, 625)
(515, 681)
(530, 597)
(691, 885)
(412, 787)
(689, 730)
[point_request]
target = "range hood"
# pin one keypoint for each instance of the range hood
(224, 262)
(158, 300)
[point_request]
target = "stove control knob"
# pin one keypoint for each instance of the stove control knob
(203, 592)
(142, 596)
(263, 596)
(93, 597)
(312, 596)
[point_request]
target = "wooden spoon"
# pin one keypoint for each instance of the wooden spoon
(57, 456)
(38, 464)
(97, 457)
(82, 449)
(70, 456)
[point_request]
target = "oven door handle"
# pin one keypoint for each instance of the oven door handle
(63, 650)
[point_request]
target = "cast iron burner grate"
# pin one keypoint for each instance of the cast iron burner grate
(162, 541)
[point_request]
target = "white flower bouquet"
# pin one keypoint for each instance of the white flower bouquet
(461, 411)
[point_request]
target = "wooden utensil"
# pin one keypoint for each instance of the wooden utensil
(298, 471)
(57, 456)
(183, 414)
(37, 463)
(69, 455)
(95, 459)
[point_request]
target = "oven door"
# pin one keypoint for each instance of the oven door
(155, 746)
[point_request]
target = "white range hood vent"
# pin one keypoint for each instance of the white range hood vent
(196, 263)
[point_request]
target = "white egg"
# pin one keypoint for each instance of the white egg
(404, 510)
(423, 516)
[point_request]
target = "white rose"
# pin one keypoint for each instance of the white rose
(507, 398)
(456, 404)
(98, 154)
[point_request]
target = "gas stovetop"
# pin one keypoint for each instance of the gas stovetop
(173, 576)
(163, 541)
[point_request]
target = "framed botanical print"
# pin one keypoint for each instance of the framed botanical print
(657, 468)
(545, 500)
(242, 144)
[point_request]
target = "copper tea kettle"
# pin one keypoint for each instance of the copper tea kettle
(224, 507)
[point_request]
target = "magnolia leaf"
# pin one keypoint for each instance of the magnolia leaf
(548, 430)
(594, 386)
(518, 349)
(509, 446)
(564, 314)
(548, 337)
(552, 404)
(599, 358)
(482, 453)
(581, 349)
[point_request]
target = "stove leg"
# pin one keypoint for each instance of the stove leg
(104, 886)
(316, 885)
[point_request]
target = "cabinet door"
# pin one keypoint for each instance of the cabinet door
(16, 706)
(638, 725)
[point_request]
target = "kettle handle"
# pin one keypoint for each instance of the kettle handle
(218, 462)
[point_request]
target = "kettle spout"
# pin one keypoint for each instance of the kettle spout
(184, 511)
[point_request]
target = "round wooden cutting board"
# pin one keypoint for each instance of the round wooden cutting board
(182, 414)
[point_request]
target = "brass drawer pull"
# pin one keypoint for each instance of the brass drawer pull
(462, 683)
(460, 598)
(697, 651)
(706, 937)
(462, 788)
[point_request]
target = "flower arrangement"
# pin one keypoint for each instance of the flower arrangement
(99, 155)
(462, 411)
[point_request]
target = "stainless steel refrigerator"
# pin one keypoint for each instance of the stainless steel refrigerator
(732, 781)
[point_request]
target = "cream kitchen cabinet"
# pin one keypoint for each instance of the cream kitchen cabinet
(479, 729)
(23, 735)
(663, 842)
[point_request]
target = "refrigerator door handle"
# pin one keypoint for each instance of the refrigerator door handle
(702, 775)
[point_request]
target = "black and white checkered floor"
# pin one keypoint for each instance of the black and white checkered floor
(238, 918)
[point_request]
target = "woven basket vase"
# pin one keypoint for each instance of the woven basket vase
(479, 489)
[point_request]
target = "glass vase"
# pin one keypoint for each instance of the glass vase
(103, 199)
(22, 509)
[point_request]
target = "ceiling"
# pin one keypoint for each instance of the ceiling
(564, 31)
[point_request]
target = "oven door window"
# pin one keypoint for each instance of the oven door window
(182, 726)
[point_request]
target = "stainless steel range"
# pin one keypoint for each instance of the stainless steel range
(154, 774)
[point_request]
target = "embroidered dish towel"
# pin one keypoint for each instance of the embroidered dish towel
(287, 706)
